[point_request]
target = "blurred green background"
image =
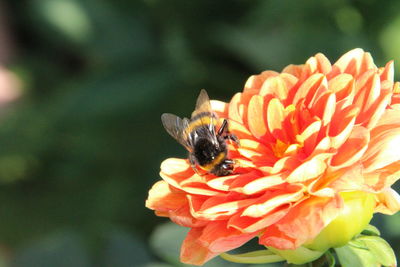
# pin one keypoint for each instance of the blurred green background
(80, 134)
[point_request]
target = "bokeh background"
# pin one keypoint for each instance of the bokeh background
(83, 84)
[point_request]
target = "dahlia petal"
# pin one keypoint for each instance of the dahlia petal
(373, 115)
(255, 145)
(309, 135)
(230, 202)
(168, 202)
(323, 146)
(250, 224)
(353, 149)
(382, 150)
(256, 81)
(309, 87)
(274, 199)
(163, 198)
(388, 120)
(389, 202)
(367, 63)
(382, 178)
(310, 169)
(243, 179)
(198, 188)
(273, 237)
(295, 70)
(275, 118)
(342, 124)
(319, 63)
(303, 222)
(324, 107)
(175, 165)
(342, 85)
(222, 183)
(367, 95)
(324, 65)
(262, 184)
(179, 173)
(351, 61)
(256, 117)
(276, 87)
(283, 164)
(387, 73)
(234, 108)
(220, 108)
(203, 244)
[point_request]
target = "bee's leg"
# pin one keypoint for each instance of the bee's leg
(233, 138)
(224, 132)
(227, 166)
(224, 128)
(192, 161)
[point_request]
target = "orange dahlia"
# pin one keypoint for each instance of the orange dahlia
(319, 143)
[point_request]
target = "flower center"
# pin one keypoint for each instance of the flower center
(280, 148)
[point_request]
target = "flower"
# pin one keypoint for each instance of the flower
(314, 139)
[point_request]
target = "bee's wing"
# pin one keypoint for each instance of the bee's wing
(203, 106)
(202, 103)
(176, 127)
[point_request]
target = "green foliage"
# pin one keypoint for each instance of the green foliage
(83, 144)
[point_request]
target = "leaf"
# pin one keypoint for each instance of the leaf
(371, 230)
(380, 249)
(354, 256)
(330, 259)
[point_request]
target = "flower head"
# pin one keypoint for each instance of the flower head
(307, 135)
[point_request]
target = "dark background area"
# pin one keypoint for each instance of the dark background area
(80, 135)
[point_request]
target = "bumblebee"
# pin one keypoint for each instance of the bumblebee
(207, 147)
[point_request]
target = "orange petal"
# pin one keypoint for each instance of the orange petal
(250, 224)
(203, 244)
(382, 150)
(368, 93)
(234, 108)
(309, 136)
(256, 185)
(388, 202)
(310, 169)
(351, 61)
(218, 207)
(308, 88)
(371, 117)
(342, 85)
(256, 81)
(171, 203)
(353, 149)
(387, 74)
(367, 63)
(220, 108)
(256, 117)
(342, 124)
(179, 173)
(271, 200)
(275, 119)
(163, 198)
(277, 87)
(302, 223)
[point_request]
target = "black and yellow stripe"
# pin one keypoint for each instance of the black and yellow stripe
(203, 119)
(215, 162)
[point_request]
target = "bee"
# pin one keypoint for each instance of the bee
(207, 147)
